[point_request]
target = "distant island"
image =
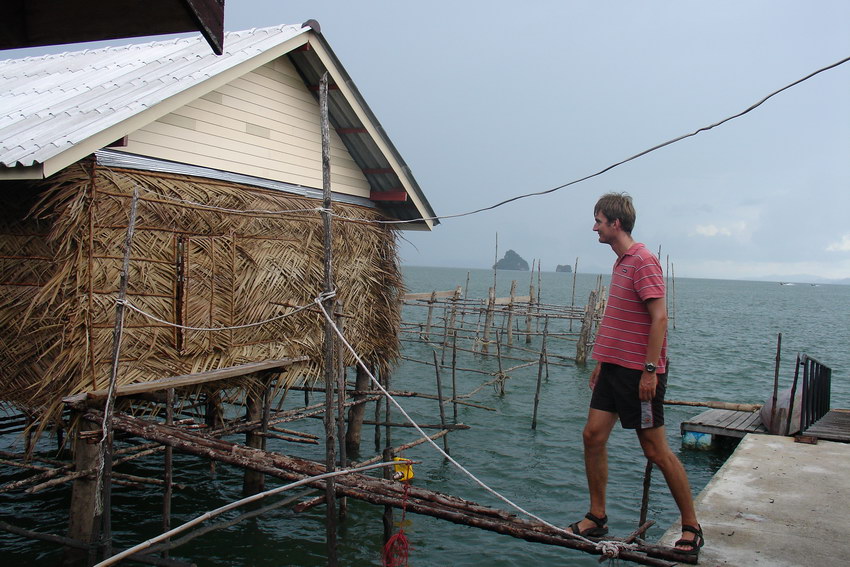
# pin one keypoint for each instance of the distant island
(511, 261)
(561, 268)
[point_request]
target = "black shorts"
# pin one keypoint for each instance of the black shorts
(617, 391)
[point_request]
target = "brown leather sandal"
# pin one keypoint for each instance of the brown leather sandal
(598, 531)
(694, 544)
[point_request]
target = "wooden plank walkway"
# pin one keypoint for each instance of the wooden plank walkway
(727, 423)
(834, 426)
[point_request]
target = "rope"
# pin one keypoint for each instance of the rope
(127, 303)
(448, 457)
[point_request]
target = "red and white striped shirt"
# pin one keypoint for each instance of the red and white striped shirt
(623, 335)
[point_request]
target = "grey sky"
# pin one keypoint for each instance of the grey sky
(487, 100)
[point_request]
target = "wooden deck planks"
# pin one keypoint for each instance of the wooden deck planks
(834, 426)
(729, 423)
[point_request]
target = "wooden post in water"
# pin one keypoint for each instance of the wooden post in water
(454, 374)
(213, 419)
(254, 482)
(355, 414)
(772, 428)
(530, 304)
(488, 319)
(431, 302)
(511, 314)
(573, 294)
(168, 465)
(340, 409)
(440, 401)
(452, 318)
(539, 375)
(84, 518)
(499, 358)
(328, 360)
(644, 504)
(586, 324)
(104, 469)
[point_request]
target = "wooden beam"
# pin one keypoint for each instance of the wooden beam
(198, 378)
(395, 196)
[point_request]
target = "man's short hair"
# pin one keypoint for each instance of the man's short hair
(617, 206)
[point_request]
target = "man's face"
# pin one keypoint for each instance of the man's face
(604, 228)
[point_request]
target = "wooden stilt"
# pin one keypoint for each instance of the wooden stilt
(329, 359)
(454, 375)
(539, 376)
(355, 414)
(168, 465)
(510, 323)
(254, 482)
(644, 503)
(440, 402)
(488, 319)
(84, 518)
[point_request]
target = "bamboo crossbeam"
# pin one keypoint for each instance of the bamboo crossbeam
(195, 379)
(373, 490)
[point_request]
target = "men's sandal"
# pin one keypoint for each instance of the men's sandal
(598, 531)
(694, 545)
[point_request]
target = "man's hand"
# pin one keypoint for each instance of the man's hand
(594, 376)
(648, 382)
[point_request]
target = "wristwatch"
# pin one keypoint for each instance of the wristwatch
(649, 367)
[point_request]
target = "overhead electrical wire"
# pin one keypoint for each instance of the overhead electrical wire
(632, 158)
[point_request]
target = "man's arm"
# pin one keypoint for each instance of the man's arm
(594, 376)
(657, 330)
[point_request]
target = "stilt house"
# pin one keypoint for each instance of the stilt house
(224, 153)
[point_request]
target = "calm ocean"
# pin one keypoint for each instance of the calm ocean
(723, 347)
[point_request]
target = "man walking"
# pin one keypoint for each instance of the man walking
(630, 376)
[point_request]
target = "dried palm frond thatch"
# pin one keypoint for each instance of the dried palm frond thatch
(205, 254)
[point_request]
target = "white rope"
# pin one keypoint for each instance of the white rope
(127, 303)
(446, 455)
(218, 511)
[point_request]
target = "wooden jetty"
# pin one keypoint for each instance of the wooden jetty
(703, 429)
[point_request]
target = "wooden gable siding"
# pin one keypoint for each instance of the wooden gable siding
(264, 124)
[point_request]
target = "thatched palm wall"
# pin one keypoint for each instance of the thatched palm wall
(61, 264)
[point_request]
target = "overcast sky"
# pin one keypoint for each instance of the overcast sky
(487, 100)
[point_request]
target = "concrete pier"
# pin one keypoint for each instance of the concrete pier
(778, 503)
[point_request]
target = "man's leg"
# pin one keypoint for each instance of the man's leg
(653, 441)
(595, 436)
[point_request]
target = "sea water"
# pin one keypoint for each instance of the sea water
(723, 340)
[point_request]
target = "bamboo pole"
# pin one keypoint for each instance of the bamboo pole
(377, 491)
(573, 293)
(772, 427)
(539, 377)
(168, 465)
(440, 402)
(510, 322)
(454, 376)
(330, 440)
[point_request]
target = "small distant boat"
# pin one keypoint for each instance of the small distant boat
(785, 283)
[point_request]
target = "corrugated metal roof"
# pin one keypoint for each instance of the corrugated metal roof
(50, 103)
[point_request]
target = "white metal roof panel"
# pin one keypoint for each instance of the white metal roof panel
(50, 103)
